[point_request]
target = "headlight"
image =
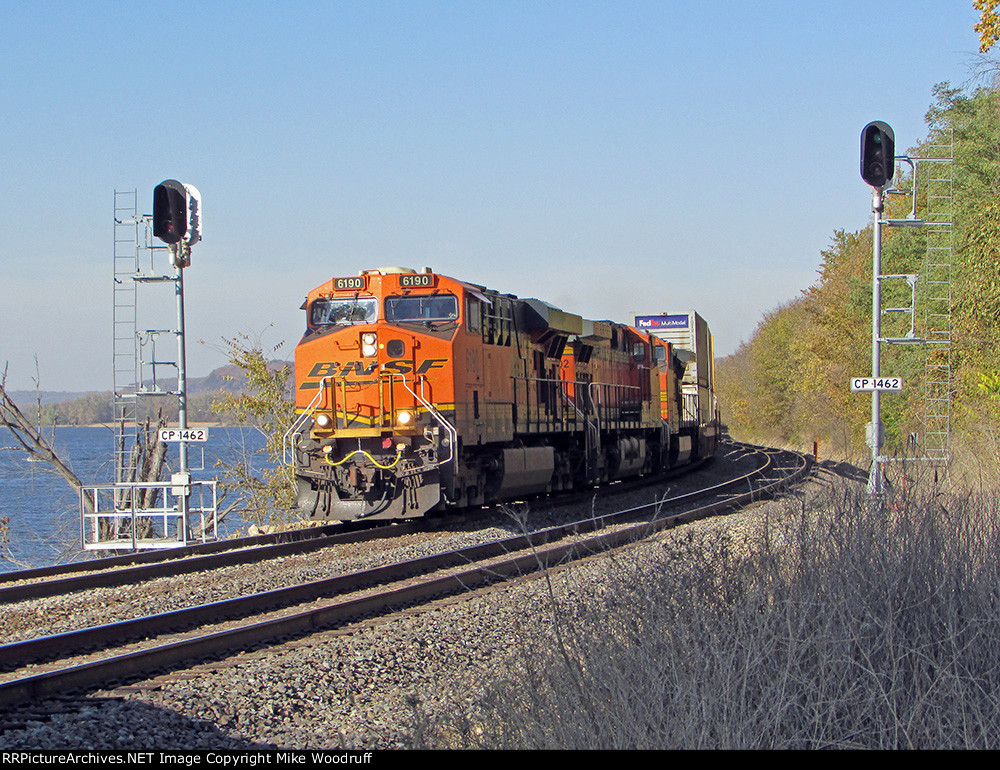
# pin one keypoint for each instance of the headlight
(324, 421)
(368, 344)
(404, 417)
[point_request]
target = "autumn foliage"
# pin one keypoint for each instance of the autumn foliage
(789, 382)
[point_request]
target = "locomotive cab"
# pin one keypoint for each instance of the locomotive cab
(374, 396)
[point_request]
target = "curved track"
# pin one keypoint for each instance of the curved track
(133, 568)
(175, 638)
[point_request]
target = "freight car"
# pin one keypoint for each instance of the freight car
(417, 392)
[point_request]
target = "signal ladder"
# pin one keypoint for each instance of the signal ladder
(938, 267)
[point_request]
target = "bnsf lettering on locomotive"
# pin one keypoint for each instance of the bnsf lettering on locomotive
(397, 367)
(323, 369)
(330, 368)
(431, 363)
(357, 367)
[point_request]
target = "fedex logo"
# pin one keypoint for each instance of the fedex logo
(661, 322)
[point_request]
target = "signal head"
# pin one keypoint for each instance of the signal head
(170, 211)
(878, 153)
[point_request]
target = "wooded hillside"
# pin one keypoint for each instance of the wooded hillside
(205, 394)
(789, 383)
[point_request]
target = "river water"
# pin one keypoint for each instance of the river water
(44, 510)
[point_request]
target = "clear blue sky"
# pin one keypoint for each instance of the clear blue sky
(607, 157)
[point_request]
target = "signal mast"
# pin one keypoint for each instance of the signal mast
(177, 221)
(878, 164)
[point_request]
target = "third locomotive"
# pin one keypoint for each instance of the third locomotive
(417, 392)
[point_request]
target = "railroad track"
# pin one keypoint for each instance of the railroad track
(43, 667)
(133, 568)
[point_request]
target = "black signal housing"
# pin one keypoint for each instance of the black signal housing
(170, 211)
(878, 152)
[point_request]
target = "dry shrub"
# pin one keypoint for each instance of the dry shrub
(831, 625)
(976, 455)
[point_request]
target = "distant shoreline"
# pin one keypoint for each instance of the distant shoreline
(112, 425)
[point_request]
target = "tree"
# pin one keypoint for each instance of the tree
(29, 439)
(146, 456)
(989, 23)
(5, 539)
(261, 483)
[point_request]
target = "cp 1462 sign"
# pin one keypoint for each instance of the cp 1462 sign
(871, 384)
(191, 434)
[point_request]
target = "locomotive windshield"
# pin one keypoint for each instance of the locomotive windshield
(356, 310)
(415, 307)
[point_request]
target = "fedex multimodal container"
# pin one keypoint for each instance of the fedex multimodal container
(689, 334)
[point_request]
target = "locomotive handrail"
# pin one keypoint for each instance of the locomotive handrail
(577, 382)
(689, 409)
(451, 429)
(594, 396)
(290, 435)
(597, 401)
(294, 431)
(569, 400)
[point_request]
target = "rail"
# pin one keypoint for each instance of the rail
(260, 618)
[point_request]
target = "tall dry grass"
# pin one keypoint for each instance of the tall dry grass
(828, 625)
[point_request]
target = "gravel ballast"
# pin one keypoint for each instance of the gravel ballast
(373, 685)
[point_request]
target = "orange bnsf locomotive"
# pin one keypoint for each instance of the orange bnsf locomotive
(416, 392)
